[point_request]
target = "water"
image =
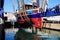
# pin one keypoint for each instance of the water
(9, 36)
(42, 35)
(10, 33)
(49, 35)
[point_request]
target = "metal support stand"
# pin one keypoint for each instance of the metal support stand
(45, 26)
(32, 30)
(13, 26)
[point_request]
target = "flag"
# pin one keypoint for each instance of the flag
(36, 19)
(37, 22)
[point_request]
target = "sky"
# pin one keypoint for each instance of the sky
(9, 8)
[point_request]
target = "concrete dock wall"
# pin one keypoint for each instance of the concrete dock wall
(52, 25)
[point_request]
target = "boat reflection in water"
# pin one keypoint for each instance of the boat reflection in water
(42, 35)
(49, 35)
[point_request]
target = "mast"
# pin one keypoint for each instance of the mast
(18, 7)
(23, 5)
(13, 5)
(24, 10)
(14, 11)
(43, 5)
(38, 4)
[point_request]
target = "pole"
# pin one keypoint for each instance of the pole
(38, 4)
(24, 10)
(43, 5)
(14, 11)
(18, 6)
(13, 5)
(23, 5)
